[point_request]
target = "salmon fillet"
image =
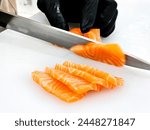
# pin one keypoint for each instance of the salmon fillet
(55, 87)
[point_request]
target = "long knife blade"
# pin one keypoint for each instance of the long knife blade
(55, 35)
(39, 30)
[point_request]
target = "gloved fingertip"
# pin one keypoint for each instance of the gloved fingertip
(86, 25)
(85, 29)
(89, 12)
(107, 32)
(60, 22)
(57, 20)
(63, 26)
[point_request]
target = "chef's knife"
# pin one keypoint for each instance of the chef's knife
(55, 35)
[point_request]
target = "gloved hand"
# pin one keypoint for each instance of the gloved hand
(89, 13)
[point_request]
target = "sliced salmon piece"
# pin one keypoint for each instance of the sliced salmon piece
(76, 84)
(111, 81)
(82, 74)
(55, 87)
(93, 34)
(107, 53)
(76, 31)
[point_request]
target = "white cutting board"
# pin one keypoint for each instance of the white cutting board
(21, 54)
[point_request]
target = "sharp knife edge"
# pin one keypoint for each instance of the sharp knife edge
(56, 36)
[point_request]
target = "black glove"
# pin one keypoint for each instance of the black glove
(106, 16)
(89, 13)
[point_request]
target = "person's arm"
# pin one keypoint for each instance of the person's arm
(8, 6)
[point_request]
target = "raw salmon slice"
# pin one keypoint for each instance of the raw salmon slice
(76, 84)
(111, 81)
(93, 34)
(107, 53)
(82, 74)
(76, 31)
(55, 87)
